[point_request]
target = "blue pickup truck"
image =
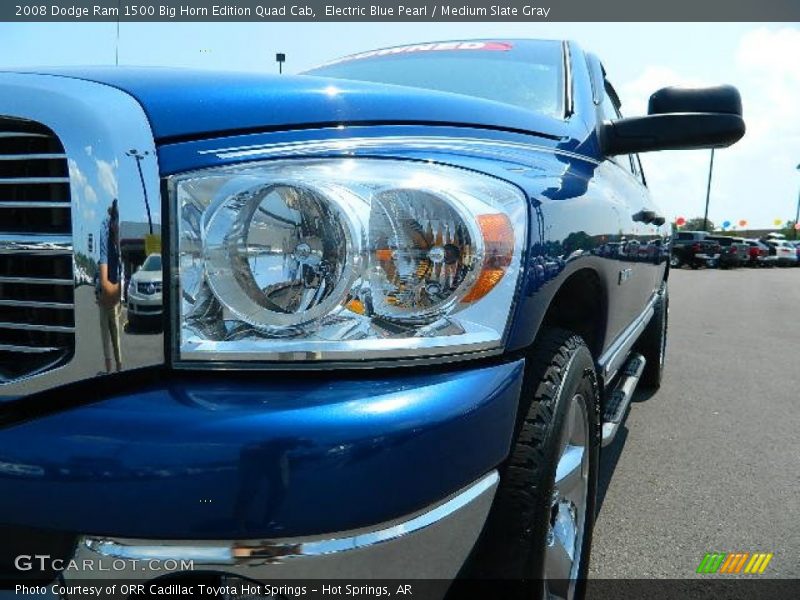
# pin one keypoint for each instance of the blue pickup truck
(407, 297)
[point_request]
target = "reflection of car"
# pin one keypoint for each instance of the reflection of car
(693, 249)
(330, 237)
(144, 291)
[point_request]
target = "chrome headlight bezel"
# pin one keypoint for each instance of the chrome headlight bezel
(347, 353)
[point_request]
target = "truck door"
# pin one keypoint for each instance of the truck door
(643, 259)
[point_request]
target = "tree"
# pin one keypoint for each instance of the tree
(578, 240)
(696, 224)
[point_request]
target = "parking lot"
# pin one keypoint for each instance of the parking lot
(710, 462)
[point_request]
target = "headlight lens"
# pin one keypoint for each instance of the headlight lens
(344, 259)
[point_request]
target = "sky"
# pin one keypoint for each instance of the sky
(756, 180)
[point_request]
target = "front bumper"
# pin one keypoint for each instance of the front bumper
(298, 461)
(430, 544)
(144, 304)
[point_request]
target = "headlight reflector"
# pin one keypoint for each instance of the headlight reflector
(344, 259)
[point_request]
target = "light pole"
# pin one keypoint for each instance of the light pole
(708, 191)
(139, 158)
(280, 58)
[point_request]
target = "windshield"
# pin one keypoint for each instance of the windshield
(526, 74)
(153, 263)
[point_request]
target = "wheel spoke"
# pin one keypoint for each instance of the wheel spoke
(569, 472)
(563, 550)
(558, 566)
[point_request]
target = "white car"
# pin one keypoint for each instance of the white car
(144, 291)
(785, 253)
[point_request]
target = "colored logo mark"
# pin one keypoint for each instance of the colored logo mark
(735, 562)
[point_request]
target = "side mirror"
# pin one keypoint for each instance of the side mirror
(679, 119)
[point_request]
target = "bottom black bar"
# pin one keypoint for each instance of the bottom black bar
(210, 585)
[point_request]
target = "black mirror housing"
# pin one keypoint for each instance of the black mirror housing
(723, 99)
(679, 119)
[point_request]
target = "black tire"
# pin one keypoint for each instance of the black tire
(653, 342)
(515, 538)
(133, 322)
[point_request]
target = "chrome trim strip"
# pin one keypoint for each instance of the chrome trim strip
(613, 358)
(569, 104)
(27, 349)
(33, 156)
(26, 180)
(36, 304)
(238, 552)
(37, 251)
(310, 147)
(294, 350)
(35, 280)
(16, 134)
(37, 327)
(32, 204)
(29, 243)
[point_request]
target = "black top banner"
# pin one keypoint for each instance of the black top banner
(406, 10)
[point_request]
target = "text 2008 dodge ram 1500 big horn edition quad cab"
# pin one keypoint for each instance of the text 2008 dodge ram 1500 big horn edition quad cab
(388, 346)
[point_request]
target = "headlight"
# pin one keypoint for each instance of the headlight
(344, 259)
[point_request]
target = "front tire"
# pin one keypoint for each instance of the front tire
(539, 532)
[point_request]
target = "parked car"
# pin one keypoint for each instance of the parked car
(377, 355)
(733, 252)
(743, 249)
(759, 254)
(784, 252)
(694, 249)
(797, 248)
(145, 292)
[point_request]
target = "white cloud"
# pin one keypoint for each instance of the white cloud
(80, 184)
(638, 91)
(106, 174)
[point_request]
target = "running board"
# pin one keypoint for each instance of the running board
(620, 399)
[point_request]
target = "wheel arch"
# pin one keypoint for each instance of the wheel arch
(580, 305)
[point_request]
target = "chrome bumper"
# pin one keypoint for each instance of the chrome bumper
(430, 544)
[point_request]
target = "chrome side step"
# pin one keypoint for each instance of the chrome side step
(620, 399)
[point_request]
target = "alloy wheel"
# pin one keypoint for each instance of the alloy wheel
(568, 504)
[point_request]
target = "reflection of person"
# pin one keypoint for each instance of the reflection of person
(109, 287)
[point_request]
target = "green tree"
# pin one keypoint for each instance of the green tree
(578, 240)
(696, 224)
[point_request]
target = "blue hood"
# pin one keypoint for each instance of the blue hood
(187, 104)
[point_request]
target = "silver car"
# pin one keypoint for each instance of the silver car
(144, 291)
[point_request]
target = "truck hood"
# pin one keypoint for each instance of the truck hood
(187, 104)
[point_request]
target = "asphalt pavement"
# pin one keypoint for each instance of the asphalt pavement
(711, 462)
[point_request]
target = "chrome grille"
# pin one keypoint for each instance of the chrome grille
(149, 288)
(37, 320)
